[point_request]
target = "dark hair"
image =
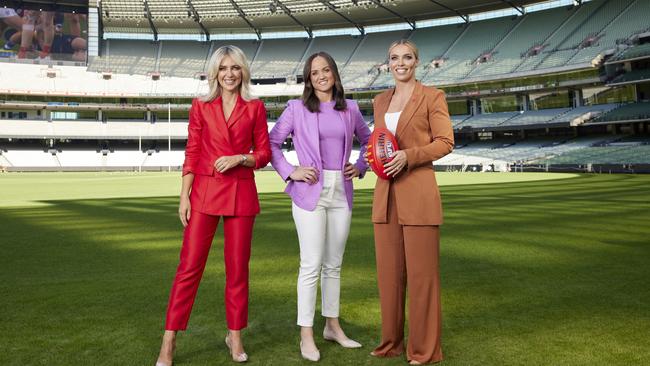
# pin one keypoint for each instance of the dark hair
(309, 98)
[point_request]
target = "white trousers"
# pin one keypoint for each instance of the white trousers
(322, 234)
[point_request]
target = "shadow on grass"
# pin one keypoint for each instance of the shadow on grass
(536, 273)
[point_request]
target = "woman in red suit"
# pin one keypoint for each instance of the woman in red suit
(227, 140)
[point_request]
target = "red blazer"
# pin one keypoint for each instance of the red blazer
(210, 136)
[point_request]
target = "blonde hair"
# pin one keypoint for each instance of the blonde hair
(239, 58)
(407, 43)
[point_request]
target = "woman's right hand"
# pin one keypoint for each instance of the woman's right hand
(184, 209)
(305, 174)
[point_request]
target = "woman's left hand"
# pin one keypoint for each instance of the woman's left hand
(225, 163)
(350, 172)
(396, 165)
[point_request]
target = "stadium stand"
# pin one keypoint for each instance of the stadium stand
(615, 153)
(491, 58)
(568, 37)
(478, 39)
(339, 47)
(278, 58)
(533, 29)
(535, 117)
(642, 50)
(487, 120)
(582, 114)
(183, 59)
(513, 151)
(632, 111)
(361, 69)
(632, 20)
(92, 129)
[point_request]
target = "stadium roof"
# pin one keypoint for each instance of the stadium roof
(239, 16)
(78, 6)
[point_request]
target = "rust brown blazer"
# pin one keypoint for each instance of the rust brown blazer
(425, 134)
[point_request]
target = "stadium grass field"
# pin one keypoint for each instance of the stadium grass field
(537, 269)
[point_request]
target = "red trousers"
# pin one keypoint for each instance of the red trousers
(197, 239)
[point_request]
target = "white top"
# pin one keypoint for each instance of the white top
(391, 121)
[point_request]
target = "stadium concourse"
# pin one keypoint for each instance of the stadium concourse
(557, 85)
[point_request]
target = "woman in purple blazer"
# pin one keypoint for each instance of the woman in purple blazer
(322, 124)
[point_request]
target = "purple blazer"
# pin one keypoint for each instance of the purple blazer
(298, 121)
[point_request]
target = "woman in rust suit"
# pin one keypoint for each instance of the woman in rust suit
(228, 138)
(407, 210)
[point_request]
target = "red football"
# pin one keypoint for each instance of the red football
(381, 147)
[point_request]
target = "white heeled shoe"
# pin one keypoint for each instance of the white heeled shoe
(160, 363)
(310, 356)
(345, 343)
(241, 357)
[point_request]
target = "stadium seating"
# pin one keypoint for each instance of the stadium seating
(456, 120)
(632, 20)
(92, 129)
(532, 31)
(632, 111)
(478, 38)
(487, 120)
(278, 58)
(339, 47)
(183, 59)
(509, 152)
(535, 117)
(361, 69)
(583, 113)
(75, 80)
(567, 37)
(538, 117)
(611, 154)
(633, 52)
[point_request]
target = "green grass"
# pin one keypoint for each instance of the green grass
(536, 272)
(30, 189)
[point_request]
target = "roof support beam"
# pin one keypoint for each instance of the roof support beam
(243, 16)
(410, 22)
(100, 20)
(520, 9)
(197, 19)
(290, 15)
(147, 13)
(461, 15)
(333, 8)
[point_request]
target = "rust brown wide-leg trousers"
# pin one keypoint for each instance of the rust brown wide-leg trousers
(408, 254)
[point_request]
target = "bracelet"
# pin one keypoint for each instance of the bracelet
(244, 158)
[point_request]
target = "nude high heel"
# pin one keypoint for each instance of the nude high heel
(241, 357)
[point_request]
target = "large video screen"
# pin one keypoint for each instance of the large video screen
(46, 35)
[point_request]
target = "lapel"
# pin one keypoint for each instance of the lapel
(238, 110)
(346, 117)
(417, 96)
(216, 110)
(313, 126)
(381, 106)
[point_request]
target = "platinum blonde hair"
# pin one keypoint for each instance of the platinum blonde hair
(407, 43)
(239, 58)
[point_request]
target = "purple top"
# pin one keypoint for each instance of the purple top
(299, 122)
(331, 130)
